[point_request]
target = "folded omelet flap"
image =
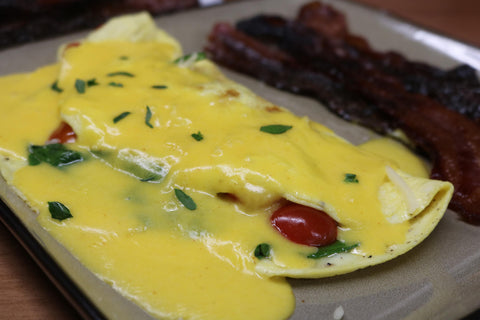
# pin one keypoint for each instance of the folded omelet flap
(405, 196)
(430, 197)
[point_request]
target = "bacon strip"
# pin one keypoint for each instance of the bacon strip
(457, 89)
(343, 72)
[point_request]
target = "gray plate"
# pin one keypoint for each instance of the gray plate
(439, 279)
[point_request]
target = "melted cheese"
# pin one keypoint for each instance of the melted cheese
(136, 235)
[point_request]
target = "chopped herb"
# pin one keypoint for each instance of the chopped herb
(55, 87)
(197, 136)
(120, 73)
(350, 178)
(55, 154)
(334, 248)
(275, 128)
(92, 82)
(58, 210)
(80, 85)
(116, 84)
(121, 116)
(190, 58)
(148, 117)
(123, 58)
(159, 86)
(185, 199)
(262, 251)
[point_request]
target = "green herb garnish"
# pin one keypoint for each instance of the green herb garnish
(120, 73)
(80, 85)
(262, 251)
(123, 58)
(116, 84)
(185, 199)
(197, 136)
(350, 178)
(92, 82)
(55, 154)
(275, 128)
(148, 117)
(190, 58)
(121, 116)
(58, 210)
(336, 247)
(55, 87)
(159, 86)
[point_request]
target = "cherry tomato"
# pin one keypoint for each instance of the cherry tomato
(305, 225)
(63, 134)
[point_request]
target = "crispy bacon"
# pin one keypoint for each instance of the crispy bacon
(457, 89)
(373, 89)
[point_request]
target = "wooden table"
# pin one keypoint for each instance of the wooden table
(459, 19)
(25, 291)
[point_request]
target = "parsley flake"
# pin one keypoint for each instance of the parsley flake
(58, 210)
(55, 154)
(262, 251)
(275, 128)
(116, 84)
(80, 85)
(55, 87)
(148, 117)
(191, 58)
(121, 116)
(334, 248)
(159, 86)
(120, 73)
(185, 199)
(92, 82)
(197, 136)
(350, 178)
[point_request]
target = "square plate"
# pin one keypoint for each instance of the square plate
(439, 279)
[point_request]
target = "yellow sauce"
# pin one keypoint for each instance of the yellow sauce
(399, 154)
(137, 236)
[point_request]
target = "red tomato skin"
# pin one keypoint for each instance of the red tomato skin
(63, 134)
(305, 225)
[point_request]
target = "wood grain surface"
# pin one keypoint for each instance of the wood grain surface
(26, 293)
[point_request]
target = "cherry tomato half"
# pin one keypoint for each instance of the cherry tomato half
(63, 134)
(305, 225)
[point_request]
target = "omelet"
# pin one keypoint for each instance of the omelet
(174, 178)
